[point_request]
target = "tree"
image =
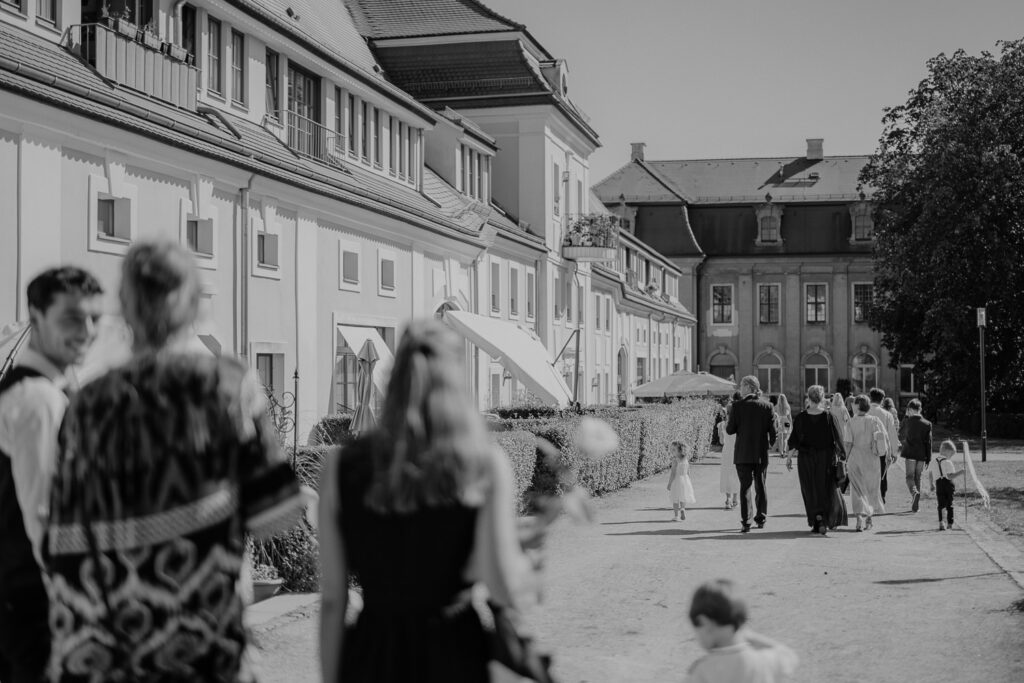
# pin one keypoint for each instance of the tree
(949, 183)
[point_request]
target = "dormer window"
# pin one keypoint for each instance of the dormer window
(863, 221)
(769, 223)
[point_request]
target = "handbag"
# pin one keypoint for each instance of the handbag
(508, 647)
(842, 477)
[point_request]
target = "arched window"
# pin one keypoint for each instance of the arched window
(816, 370)
(769, 372)
(864, 373)
(722, 365)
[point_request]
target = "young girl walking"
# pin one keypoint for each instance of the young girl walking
(680, 488)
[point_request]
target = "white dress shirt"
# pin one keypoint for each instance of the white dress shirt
(30, 415)
(892, 438)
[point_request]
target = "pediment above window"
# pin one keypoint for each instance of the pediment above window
(769, 223)
(863, 221)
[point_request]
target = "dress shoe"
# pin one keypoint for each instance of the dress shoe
(745, 529)
(916, 503)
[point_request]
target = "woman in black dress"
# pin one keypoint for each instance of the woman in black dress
(418, 511)
(815, 438)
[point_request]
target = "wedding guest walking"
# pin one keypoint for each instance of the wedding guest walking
(165, 464)
(728, 480)
(818, 441)
(941, 473)
(892, 441)
(837, 406)
(680, 488)
(64, 307)
(753, 422)
(916, 437)
(785, 421)
(864, 463)
(418, 510)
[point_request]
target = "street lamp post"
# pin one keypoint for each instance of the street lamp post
(982, 321)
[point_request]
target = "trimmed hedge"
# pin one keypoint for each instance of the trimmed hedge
(521, 448)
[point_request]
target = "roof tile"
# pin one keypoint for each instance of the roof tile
(409, 18)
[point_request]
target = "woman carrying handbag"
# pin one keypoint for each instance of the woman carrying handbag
(818, 440)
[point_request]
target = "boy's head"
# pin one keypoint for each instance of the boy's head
(877, 395)
(947, 449)
(914, 407)
(717, 613)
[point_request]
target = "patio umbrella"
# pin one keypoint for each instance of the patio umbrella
(685, 383)
(12, 337)
(365, 360)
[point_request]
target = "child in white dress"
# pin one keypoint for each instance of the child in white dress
(680, 488)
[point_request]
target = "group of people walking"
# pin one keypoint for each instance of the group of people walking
(838, 452)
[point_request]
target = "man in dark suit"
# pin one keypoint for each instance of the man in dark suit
(916, 440)
(753, 422)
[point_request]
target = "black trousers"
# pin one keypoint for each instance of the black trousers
(944, 491)
(885, 476)
(752, 474)
(24, 634)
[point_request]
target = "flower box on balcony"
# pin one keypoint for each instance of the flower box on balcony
(176, 52)
(124, 27)
(149, 39)
(591, 238)
(589, 254)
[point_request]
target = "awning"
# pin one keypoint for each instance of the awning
(355, 337)
(518, 351)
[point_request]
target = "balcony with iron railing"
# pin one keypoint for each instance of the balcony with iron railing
(307, 138)
(137, 59)
(591, 238)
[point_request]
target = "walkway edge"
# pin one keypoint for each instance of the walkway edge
(992, 541)
(267, 615)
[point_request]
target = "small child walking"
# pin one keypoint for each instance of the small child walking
(680, 488)
(941, 473)
(734, 655)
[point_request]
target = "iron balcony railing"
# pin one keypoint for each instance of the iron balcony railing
(138, 60)
(310, 139)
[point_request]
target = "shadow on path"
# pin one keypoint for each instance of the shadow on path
(669, 532)
(904, 582)
(757, 535)
(641, 521)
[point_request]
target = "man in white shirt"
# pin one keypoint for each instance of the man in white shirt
(892, 439)
(64, 307)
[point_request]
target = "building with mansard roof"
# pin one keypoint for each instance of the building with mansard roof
(776, 255)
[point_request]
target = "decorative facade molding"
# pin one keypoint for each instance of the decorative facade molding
(768, 217)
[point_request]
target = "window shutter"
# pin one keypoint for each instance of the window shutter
(204, 242)
(387, 274)
(350, 266)
(270, 250)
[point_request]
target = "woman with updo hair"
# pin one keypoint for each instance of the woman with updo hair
(418, 510)
(864, 468)
(817, 439)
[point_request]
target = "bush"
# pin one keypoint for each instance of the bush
(308, 464)
(295, 555)
(997, 425)
(526, 412)
(521, 448)
(331, 430)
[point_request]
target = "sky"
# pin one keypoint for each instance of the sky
(699, 79)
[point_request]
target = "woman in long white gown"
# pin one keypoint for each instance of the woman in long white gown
(729, 480)
(867, 445)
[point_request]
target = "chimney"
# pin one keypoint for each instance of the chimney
(815, 151)
(638, 151)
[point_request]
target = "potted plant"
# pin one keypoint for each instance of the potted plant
(176, 52)
(148, 38)
(266, 582)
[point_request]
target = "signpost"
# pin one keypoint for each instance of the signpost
(982, 321)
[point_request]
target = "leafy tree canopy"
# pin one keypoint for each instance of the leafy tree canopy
(949, 182)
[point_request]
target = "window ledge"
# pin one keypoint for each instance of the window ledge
(201, 254)
(389, 293)
(213, 94)
(47, 25)
(113, 239)
(240, 106)
(14, 10)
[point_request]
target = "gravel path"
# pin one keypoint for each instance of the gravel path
(886, 605)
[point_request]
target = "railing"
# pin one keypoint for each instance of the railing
(138, 61)
(310, 139)
(591, 237)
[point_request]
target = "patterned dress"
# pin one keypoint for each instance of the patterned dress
(164, 465)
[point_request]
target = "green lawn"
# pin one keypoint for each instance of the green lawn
(1005, 483)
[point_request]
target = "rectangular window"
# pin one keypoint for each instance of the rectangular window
(188, 29)
(391, 146)
(863, 294)
(770, 228)
(817, 303)
(559, 296)
(816, 374)
(579, 197)
(273, 83)
(409, 150)
(351, 123)
(513, 291)
(364, 135)
(479, 176)
(768, 304)
(378, 139)
(581, 304)
(199, 236)
(530, 294)
(213, 75)
(46, 10)
(641, 370)
(770, 377)
(459, 182)
(557, 193)
(350, 267)
(401, 150)
(907, 383)
(495, 287)
(721, 304)
(105, 217)
(237, 66)
(608, 314)
(387, 274)
(471, 167)
(568, 300)
(597, 311)
(863, 228)
(266, 250)
(113, 218)
(265, 371)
